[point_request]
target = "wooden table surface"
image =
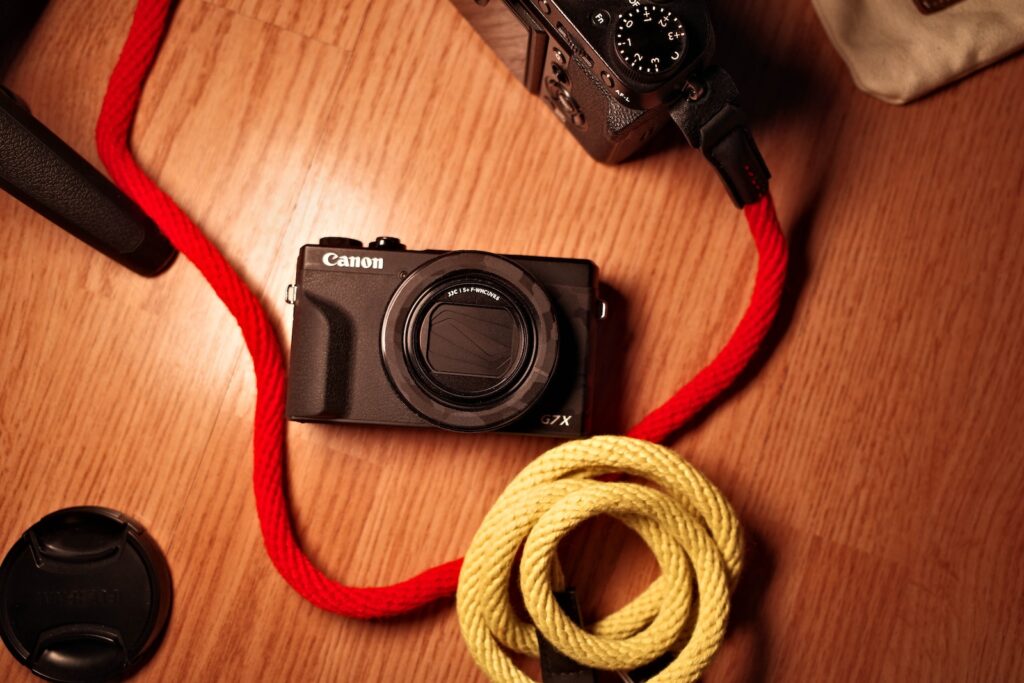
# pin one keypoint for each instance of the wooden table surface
(875, 457)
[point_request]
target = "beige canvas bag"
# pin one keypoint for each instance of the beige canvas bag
(900, 50)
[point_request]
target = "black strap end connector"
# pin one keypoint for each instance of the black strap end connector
(711, 121)
(555, 666)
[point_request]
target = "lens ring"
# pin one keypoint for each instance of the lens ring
(532, 351)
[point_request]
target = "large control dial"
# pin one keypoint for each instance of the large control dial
(650, 39)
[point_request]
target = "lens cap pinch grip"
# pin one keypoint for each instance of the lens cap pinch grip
(85, 596)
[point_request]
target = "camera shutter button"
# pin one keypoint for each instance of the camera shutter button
(388, 243)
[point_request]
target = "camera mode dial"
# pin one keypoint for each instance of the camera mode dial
(340, 243)
(650, 39)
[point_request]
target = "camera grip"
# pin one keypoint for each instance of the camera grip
(311, 365)
(39, 169)
(610, 132)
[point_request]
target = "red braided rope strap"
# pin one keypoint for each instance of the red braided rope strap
(112, 131)
(718, 375)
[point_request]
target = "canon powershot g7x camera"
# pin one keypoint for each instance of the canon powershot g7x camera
(464, 340)
(609, 69)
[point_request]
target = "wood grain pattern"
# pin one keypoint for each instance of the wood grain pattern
(875, 456)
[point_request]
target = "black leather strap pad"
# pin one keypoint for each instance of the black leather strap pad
(39, 169)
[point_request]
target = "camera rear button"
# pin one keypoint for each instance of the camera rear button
(607, 79)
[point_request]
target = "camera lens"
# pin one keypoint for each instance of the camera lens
(469, 341)
(469, 349)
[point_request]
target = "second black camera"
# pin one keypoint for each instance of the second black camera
(609, 69)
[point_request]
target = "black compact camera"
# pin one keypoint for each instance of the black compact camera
(609, 69)
(463, 340)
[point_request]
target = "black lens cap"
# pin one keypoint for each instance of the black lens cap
(85, 596)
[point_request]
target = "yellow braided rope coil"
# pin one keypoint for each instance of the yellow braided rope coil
(689, 526)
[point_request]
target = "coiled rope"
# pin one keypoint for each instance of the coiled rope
(112, 139)
(687, 523)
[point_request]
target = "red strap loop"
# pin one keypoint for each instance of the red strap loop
(119, 107)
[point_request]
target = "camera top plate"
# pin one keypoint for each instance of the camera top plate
(590, 30)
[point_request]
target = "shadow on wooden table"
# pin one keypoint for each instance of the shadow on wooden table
(797, 275)
(783, 91)
(612, 343)
(746, 627)
(776, 82)
(777, 87)
(786, 92)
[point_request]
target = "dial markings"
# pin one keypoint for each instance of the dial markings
(650, 39)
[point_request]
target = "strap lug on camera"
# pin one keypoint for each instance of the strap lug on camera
(711, 121)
